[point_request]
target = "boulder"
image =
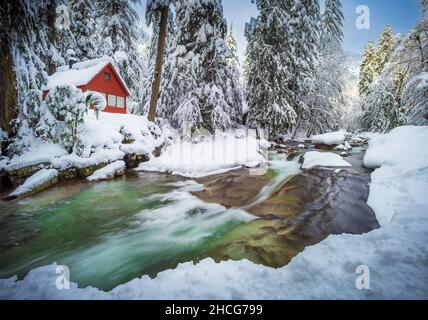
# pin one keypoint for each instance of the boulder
(134, 160)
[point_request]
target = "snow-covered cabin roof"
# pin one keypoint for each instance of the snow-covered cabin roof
(81, 73)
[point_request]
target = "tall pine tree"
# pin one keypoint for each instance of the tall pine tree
(324, 96)
(268, 68)
(118, 39)
(82, 26)
(203, 89)
(385, 44)
(367, 69)
(332, 25)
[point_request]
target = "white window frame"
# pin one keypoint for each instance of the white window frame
(122, 100)
(109, 103)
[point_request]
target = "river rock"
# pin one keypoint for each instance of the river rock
(41, 187)
(304, 211)
(134, 160)
(18, 176)
(89, 170)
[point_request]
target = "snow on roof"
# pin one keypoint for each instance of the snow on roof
(81, 73)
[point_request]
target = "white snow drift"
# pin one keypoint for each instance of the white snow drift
(110, 171)
(332, 138)
(213, 155)
(323, 159)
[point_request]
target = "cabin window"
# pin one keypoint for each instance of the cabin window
(120, 102)
(106, 75)
(111, 100)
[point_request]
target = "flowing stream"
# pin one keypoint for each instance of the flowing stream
(109, 233)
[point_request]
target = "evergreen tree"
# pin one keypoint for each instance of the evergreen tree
(332, 24)
(367, 69)
(303, 49)
(82, 26)
(424, 7)
(119, 39)
(382, 107)
(233, 59)
(202, 89)
(267, 72)
(385, 45)
(324, 96)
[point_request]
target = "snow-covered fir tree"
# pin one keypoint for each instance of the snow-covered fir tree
(82, 27)
(234, 63)
(233, 60)
(267, 91)
(324, 96)
(385, 45)
(282, 51)
(304, 50)
(63, 120)
(119, 39)
(399, 95)
(203, 90)
(367, 69)
(23, 71)
(332, 24)
(424, 7)
(381, 107)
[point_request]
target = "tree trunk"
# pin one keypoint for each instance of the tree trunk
(7, 88)
(159, 63)
(51, 33)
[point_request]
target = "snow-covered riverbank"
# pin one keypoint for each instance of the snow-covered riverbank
(396, 254)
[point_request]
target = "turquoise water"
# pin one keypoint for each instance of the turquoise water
(109, 233)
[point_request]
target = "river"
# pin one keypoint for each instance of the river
(109, 233)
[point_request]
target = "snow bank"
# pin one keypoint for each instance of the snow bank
(395, 255)
(332, 138)
(39, 152)
(323, 159)
(109, 131)
(37, 179)
(102, 142)
(401, 182)
(108, 172)
(211, 156)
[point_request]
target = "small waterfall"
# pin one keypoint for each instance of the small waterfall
(283, 171)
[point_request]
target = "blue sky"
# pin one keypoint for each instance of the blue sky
(402, 15)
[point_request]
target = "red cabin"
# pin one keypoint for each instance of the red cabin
(97, 75)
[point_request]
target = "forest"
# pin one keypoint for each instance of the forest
(291, 81)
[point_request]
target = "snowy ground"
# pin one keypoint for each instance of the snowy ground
(213, 155)
(110, 171)
(323, 159)
(396, 254)
(103, 142)
(332, 138)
